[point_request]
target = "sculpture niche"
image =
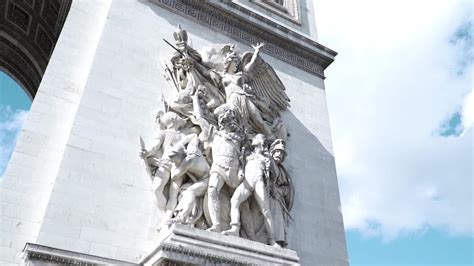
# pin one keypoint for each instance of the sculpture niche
(216, 158)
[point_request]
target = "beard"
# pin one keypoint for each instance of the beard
(278, 159)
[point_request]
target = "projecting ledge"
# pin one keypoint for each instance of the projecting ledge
(186, 245)
(36, 255)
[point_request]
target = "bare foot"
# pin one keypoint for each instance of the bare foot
(215, 228)
(233, 231)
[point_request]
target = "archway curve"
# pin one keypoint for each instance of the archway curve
(29, 30)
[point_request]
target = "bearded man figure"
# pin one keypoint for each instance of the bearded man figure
(225, 141)
(281, 192)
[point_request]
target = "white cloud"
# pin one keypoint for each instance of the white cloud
(468, 111)
(11, 122)
(394, 81)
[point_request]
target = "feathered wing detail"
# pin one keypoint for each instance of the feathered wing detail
(265, 83)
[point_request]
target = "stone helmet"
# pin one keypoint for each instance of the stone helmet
(231, 57)
(278, 144)
(180, 36)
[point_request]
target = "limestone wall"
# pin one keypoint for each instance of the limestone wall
(100, 201)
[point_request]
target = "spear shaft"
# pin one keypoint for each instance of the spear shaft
(173, 47)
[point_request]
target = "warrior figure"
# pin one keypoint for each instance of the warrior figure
(281, 192)
(225, 142)
(255, 183)
(157, 157)
(189, 161)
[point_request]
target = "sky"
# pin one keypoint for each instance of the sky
(14, 106)
(401, 111)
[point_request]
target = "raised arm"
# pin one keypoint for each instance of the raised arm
(202, 70)
(156, 143)
(249, 66)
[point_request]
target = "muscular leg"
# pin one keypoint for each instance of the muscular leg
(262, 200)
(254, 115)
(173, 197)
(246, 220)
(198, 189)
(160, 180)
(182, 168)
(215, 185)
(189, 201)
(240, 195)
(194, 164)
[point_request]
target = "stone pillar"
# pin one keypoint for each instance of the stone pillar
(26, 187)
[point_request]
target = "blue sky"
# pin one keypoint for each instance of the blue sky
(14, 104)
(401, 111)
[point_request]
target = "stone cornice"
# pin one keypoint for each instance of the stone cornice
(34, 253)
(249, 28)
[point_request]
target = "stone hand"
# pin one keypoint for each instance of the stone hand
(240, 175)
(248, 89)
(143, 154)
(200, 91)
(258, 46)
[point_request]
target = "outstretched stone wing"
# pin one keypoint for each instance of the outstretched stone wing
(266, 84)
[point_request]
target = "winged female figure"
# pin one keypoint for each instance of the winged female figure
(254, 89)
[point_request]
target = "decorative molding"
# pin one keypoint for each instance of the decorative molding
(190, 252)
(290, 10)
(31, 3)
(38, 253)
(44, 41)
(50, 13)
(28, 33)
(293, 48)
(19, 17)
(19, 65)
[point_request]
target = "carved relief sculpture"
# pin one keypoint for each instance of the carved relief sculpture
(211, 151)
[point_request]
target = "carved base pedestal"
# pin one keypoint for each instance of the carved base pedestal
(185, 245)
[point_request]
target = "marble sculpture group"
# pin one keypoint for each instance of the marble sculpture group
(216, 160)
